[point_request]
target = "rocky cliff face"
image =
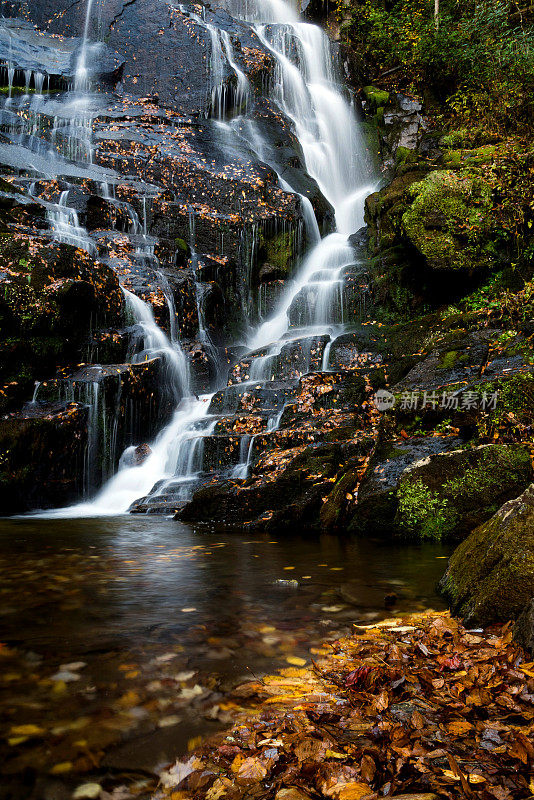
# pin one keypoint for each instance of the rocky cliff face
(147, 183)
(137, 187)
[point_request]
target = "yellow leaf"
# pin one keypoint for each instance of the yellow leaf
(296, 661)
(129, 699)
(196, 741)
(333, 754)
(448, 773)
(528, 672)
(236, 763)
(62, 768)
(27, 730)
(350, 791)
(475, 778)
(458, 727)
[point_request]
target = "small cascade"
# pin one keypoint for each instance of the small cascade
(242, 90)
(81, 82)
(66, 227)
(156, 344)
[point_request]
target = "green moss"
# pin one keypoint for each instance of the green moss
(491, 574)
(377, 98)
(280, 250)
(372, 140)
(449, 220)
(449, 359)
(455, 139)
(470, 158)
(437, 499)
(499, 465)
(405, 156)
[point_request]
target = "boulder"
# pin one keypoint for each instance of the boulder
(56, 435)
(524, 627)
(377, 496)
(447, 495)
(490, 577)
(450, 221)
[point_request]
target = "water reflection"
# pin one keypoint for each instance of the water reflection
(122, 635)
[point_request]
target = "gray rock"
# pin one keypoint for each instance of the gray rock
(51, 60)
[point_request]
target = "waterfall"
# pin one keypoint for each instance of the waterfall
(157, 344)
(80, 75)
(307, 92)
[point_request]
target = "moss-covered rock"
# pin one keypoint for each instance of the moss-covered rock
(490, 577)
(448, 495)
(279, 252)
(449, 221)
(377, 98)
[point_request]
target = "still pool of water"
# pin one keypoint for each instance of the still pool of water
(121, 637)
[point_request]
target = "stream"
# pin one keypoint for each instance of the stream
(122, 636)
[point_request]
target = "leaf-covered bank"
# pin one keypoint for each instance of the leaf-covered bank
(420, 709)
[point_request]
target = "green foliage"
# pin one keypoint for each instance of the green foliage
(479, 61)
(422, 512)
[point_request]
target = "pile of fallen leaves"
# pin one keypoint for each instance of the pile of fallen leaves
(420, 710)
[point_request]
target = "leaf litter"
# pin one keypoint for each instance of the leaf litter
(418, 708)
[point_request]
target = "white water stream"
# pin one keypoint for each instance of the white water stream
(307, 92)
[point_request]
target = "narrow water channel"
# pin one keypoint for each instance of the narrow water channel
(122, 637)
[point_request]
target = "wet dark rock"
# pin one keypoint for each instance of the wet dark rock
(377, 496)
(141, 453)
(524, 627)
(460, 361)
(53, 297)
(56, 435)
(256, 505)
(449, 494)
(260, 396)
(128, 399)
(51, 60)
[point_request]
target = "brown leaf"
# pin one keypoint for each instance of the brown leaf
(251, 771)
(368, 768)
(351, 791)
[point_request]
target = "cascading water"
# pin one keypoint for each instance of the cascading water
(305, 88)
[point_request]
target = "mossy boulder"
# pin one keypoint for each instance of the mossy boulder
(490, 577)
(450, 221)
(447, 495)
(277, 255)
(377, 495)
